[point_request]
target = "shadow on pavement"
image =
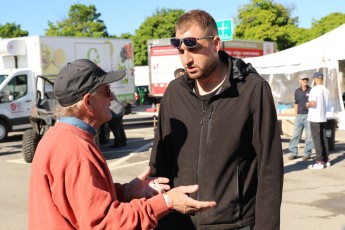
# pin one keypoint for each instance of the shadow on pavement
(14, 137)
(11, 146)
(5, 152)
(302, 165)
(299, 165)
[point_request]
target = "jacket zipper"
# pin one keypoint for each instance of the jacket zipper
(209, 127)
(203, 107)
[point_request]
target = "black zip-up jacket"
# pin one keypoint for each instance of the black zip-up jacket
(230, 147)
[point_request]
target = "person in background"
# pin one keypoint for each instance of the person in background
(179, 72)
(317, 104)
(116, 123)
(71, 186)
(301, 122)
(218, 128)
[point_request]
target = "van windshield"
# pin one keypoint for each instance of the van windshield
(2, 78)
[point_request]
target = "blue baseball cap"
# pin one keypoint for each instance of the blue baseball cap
(318, 75)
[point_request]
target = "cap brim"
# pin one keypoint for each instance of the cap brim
(113, 76)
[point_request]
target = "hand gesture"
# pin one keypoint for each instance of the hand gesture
(144, 186)
(181, 202)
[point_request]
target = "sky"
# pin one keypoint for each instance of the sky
(126, 16)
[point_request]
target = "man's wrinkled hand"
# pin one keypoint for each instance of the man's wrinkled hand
(144, 186)
(181, 202)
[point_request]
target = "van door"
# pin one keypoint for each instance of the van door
(16, 100)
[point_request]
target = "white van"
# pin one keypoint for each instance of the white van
(23, 59)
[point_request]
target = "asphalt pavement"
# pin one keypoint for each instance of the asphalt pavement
(314, 199)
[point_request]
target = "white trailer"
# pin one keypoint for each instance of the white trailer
(163, 59)
(23, 59)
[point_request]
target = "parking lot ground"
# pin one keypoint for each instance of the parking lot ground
(312, 199)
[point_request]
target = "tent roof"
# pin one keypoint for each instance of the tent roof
(330, 46)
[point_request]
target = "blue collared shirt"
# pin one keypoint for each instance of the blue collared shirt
(301, 98)
(78, 123)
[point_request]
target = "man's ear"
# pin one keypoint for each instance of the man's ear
(87, 101)
(217, 43)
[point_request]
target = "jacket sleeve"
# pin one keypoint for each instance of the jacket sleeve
(267, 144)
(88, 203)
(162, 154)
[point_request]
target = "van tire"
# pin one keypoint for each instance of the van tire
(3, 131)
(30, 142)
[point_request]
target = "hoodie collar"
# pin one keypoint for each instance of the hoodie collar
(238, 70)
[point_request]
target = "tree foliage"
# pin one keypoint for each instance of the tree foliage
(267, 21)
(11, 30)
(262, 20)
(327, 24)
(82, 21)
(160, 25)
(320, 27)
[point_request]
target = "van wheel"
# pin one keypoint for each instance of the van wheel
(30, 142)
(3, 131)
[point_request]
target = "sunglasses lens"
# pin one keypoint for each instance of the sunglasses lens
(305, 79)
(175, 42)
(190, 42)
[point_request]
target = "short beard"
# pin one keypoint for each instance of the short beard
(207, 70)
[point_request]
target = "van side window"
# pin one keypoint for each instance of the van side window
(18, 86)
(21, 87)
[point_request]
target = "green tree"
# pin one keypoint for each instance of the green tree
(126, 36)
(320, 27)
(82, 21)
(302, 35)
(265, 20)
(326, 24)
(160, 25)
(11, 30)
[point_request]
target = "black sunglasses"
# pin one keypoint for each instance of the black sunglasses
(189, 42)
(305, 79)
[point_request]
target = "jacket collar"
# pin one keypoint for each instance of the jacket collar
(238, 70)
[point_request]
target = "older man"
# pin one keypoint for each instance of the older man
(71, 186)
(301, 122)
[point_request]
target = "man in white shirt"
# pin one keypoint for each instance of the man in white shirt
(317, 105)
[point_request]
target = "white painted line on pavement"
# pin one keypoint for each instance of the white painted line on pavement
(119, 151)
(128, 150)
(129, 165)
(114, 164)
(140, 139)
(133, 151)
(17, 160)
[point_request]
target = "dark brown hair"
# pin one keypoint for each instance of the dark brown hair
(197, 17)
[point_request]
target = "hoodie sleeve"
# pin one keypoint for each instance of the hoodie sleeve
(162, 149)
(267, 144)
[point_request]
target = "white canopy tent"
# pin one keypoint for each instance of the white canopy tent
(325, 54)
